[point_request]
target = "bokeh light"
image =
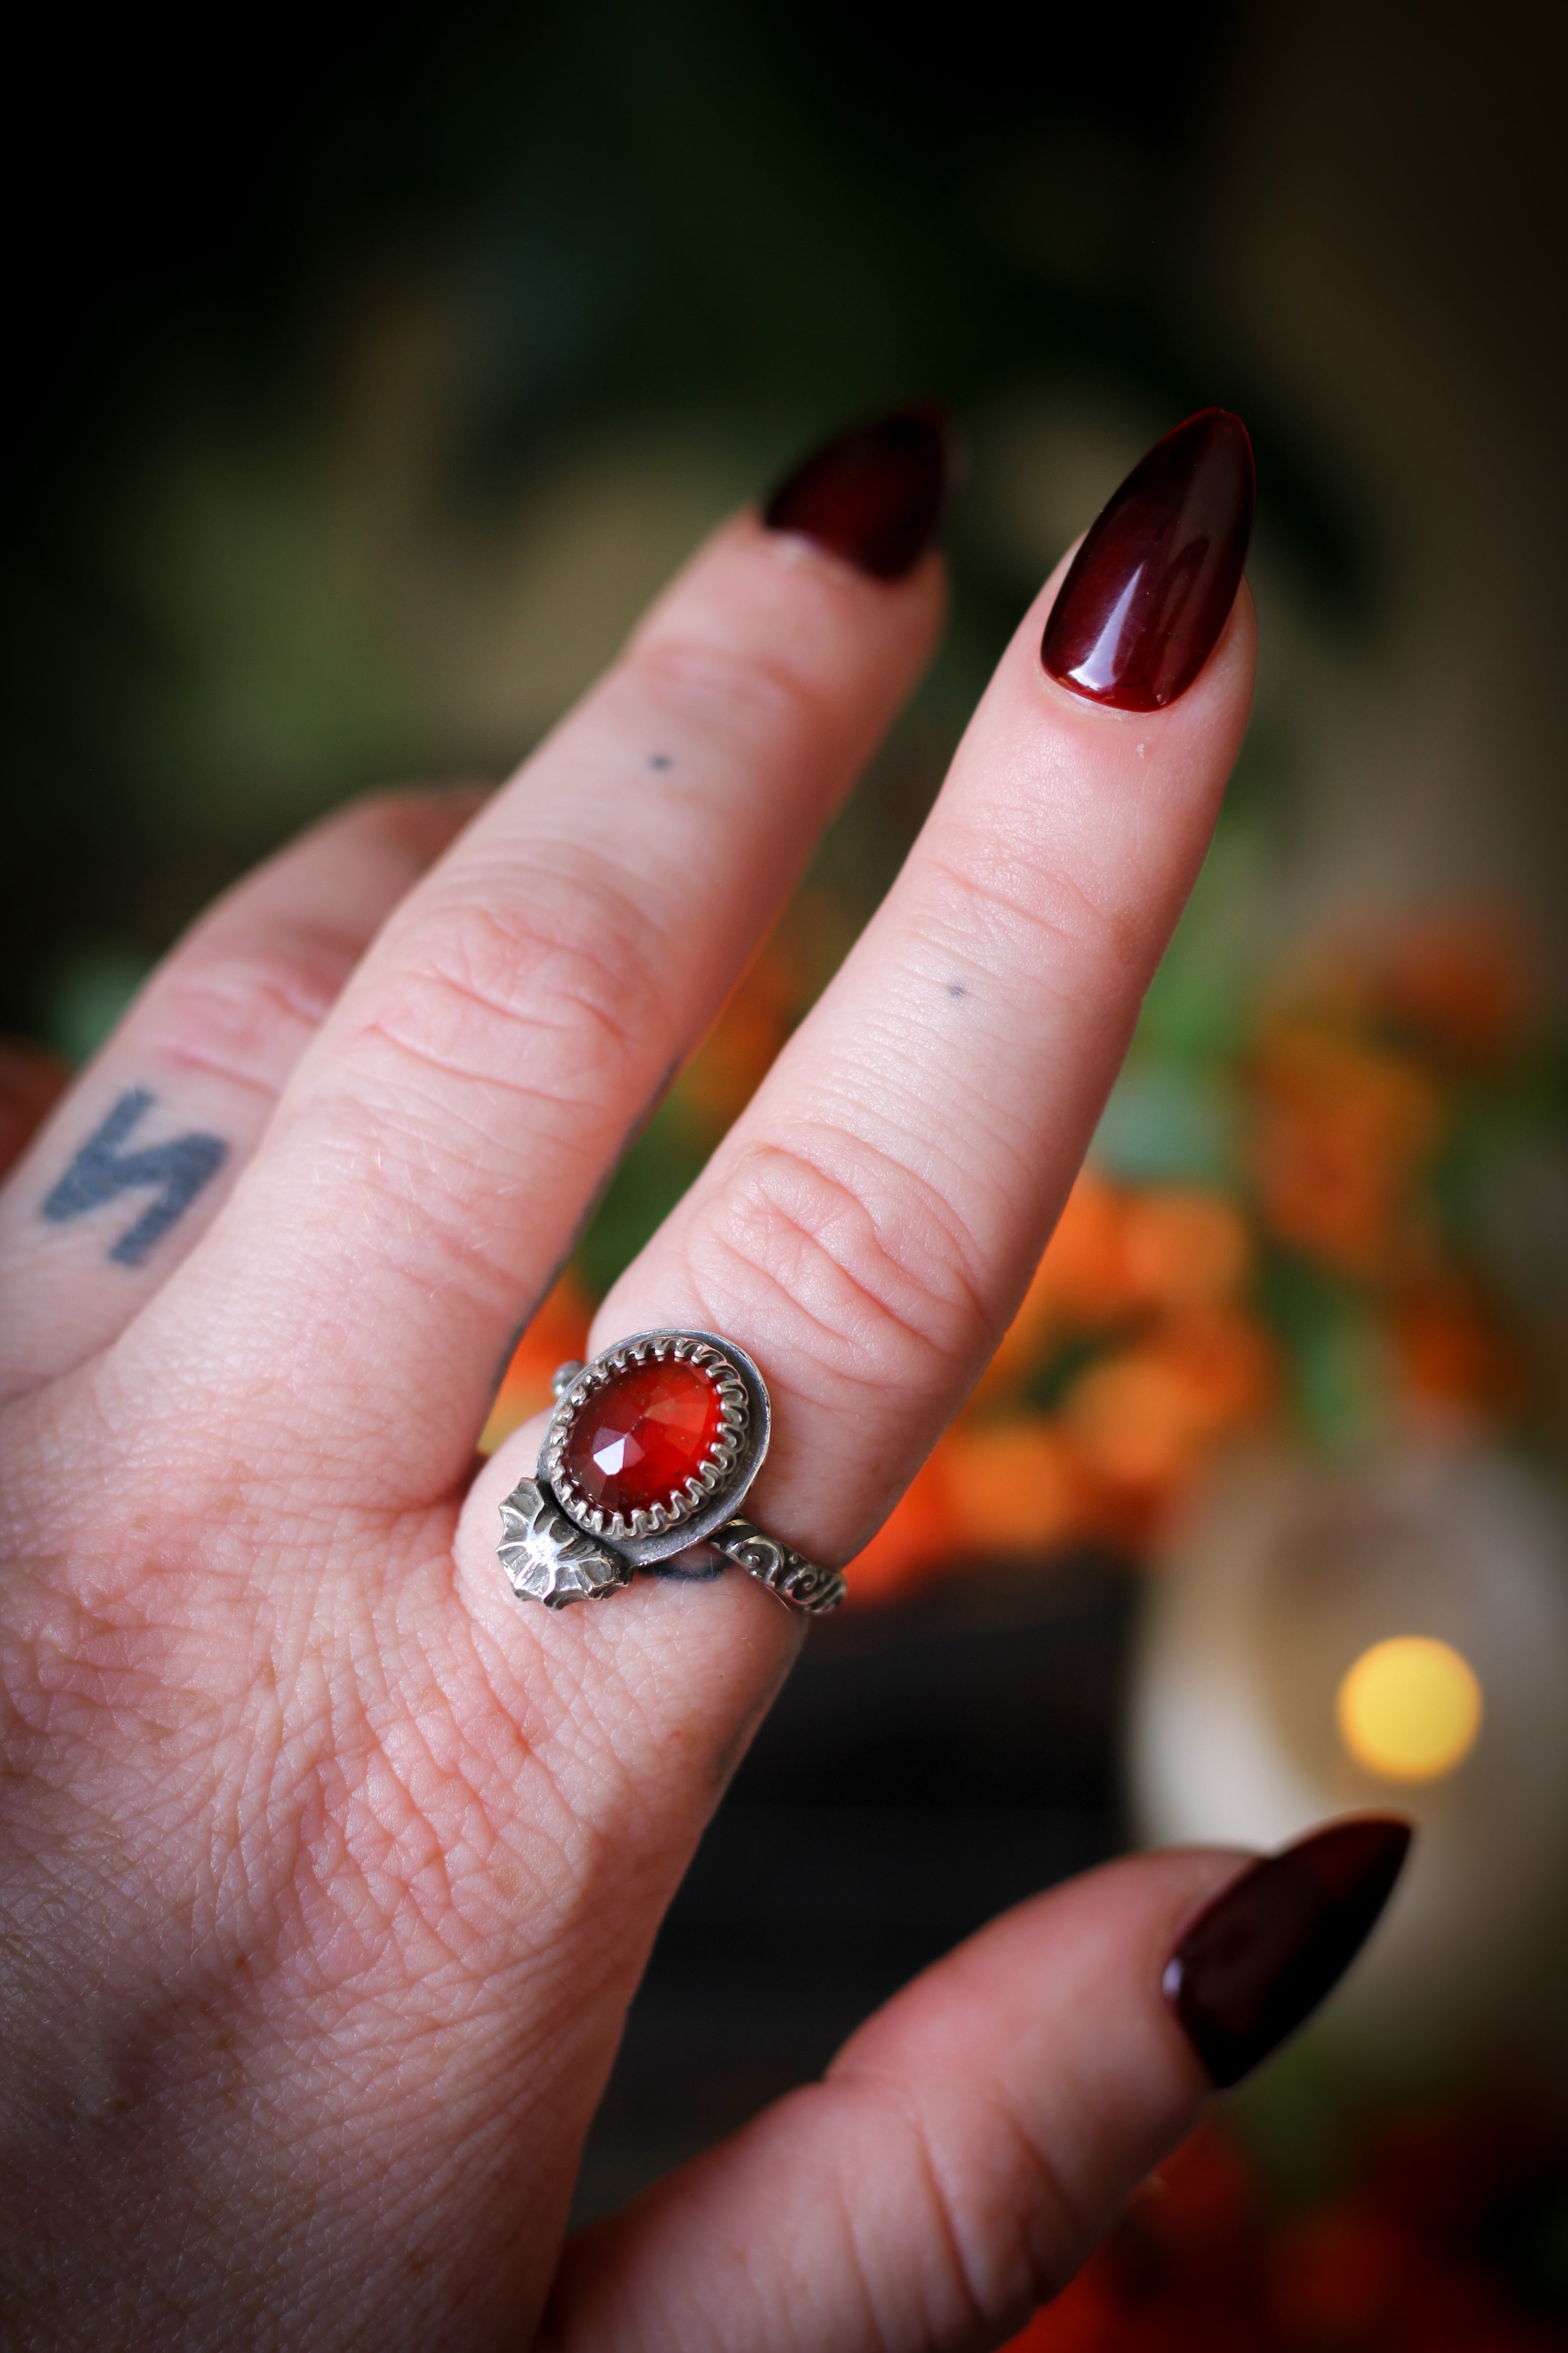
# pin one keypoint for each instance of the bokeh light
(1410, 1708)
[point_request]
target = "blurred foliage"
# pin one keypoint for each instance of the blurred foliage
(1372, 1240)
(381, 368)
(1439, 2236)
(1329, 1199)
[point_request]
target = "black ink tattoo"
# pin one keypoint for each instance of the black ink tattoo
(100, 1170)
(956, 988)
(660, 760)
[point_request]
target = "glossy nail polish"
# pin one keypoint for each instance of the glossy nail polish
(875, 495)
(1151, 587)
(1261, 1956)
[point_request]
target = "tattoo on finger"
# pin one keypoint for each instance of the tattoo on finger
(177, 1170)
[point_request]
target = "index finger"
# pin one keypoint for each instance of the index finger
(870, 1224)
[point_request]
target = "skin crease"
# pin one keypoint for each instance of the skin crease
(330, 1869)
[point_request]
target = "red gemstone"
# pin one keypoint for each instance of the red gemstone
(639, 1438)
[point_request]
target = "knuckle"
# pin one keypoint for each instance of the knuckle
(245, 1012)
(408, 826)
(1029, 910)
(557, 996)
(978, 2272)
(963, 2266)
(420, 817)
(742, 695)
(1035, 2215)
(994, 901)
(1002, 2232)
(866, 1264)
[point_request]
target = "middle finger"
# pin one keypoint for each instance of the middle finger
(435, 1152)
(870, 1221)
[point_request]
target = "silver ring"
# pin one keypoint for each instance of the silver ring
(648, 1452)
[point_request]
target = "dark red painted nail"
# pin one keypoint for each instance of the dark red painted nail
(1151, 587)
(1263, 1954)
(875, 495)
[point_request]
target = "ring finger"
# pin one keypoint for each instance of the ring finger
(137, 1157)
(870, 1224)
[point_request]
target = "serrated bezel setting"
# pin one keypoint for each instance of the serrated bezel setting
(710, 1496)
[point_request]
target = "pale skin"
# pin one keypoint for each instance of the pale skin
(328, 1868)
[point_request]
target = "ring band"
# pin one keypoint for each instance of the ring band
(783, 1570)
(648, 1452)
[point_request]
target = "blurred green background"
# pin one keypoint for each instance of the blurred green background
(375, 372)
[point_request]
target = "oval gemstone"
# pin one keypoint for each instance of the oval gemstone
(638, 1438)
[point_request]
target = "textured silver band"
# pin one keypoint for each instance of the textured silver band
(783, 1571)
(557, 1547)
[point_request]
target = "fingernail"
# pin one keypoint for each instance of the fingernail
(1261, 1956)
(1151, 587)
(875, 495)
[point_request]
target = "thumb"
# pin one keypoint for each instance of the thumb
(974, 2140)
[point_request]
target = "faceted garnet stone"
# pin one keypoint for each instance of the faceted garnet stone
(639, 1438)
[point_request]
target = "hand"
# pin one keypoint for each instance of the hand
(329, 1867)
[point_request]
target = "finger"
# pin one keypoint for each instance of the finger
(439, 1146)
(31, 1082)
(137, 1159)
(950, 2172)
(976, 2137)
(869, 1226)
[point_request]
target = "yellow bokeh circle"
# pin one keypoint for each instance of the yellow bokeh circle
(1409, 1709)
